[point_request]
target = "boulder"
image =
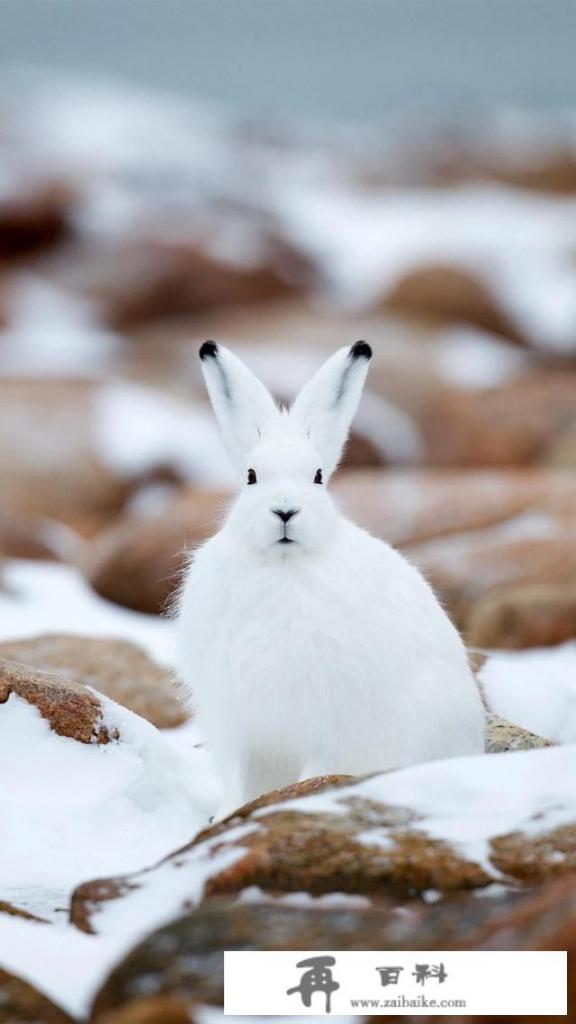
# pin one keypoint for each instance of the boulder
(21, 540)
(530, 549)
(448, 825)
(502, 736)
(21, 1003)
(448, 293)
(139, 562)
(33, 213)
(527, 420)
(151, 1010)
(49, 465)
(405, 507)
(116, 668)
(140, 278)
(529, 615)
(70, 709)
(99, 785)
(411, 506)
(183, 960)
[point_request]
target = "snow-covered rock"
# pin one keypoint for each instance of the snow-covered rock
(453, 825)
(92, 786)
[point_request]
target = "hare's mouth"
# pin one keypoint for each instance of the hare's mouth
(285, 540)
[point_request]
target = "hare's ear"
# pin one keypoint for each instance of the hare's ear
(242, 405)
(325, 407)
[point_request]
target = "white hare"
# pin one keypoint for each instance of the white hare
(308, 646)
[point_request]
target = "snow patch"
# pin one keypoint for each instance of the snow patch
(44, 597)
(138, 429)
(535, 688)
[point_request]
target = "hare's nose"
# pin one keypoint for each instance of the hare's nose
(285, 516)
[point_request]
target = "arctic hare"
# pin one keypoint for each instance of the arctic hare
(308, 646)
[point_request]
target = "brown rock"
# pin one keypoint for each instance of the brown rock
(150, 1010)
(531, 419)
(463, 569)
(21, 540)
(116, 668)
(148, 277)
(13, 911)
(352, 841)
(139, 562)
(33, 214)
(21, 1003)
(48, 463)
(306, 788)
(70, 709)
(543, 920)
(409, 506)
(184, 959)
(449, 294)
(530, 615)
(502, 736)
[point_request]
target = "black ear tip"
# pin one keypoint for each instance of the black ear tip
(361, 350)
(209, 350)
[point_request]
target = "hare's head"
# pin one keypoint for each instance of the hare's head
(285, 457)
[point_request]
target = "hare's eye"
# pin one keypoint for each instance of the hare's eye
(318, 478)
(251, 476)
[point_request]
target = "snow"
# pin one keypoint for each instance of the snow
(137, 429)
(460, 547)
(464, 802)
(475, 360)
(90, 809)
(517, 244)
(52, 333)
(45, 597)
(535, 688)
(78, 811)
(461, 801)
(328, 901)
(72, 812)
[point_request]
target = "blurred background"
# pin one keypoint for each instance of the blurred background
(287, 176)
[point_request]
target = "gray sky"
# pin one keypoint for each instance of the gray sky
(329, 58)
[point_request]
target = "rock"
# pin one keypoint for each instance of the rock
(21, 540)
(21, 1003)
(498, 546)
(184, 959)
(502, 736)
(68, 707)
(529, 615)
(33, 213)
(448, 293)
(151, 1010)
(139, 562)
(543, 920)
(530, 549)
(49, 465)
(13, 911)
(448, 825)
(529, 419)
(404, 507)
(140, 278)
(116, 668)
(410, 506)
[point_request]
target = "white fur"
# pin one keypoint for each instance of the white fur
(329, 654)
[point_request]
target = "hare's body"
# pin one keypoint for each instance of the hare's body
(316, 651)
(320, 665)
